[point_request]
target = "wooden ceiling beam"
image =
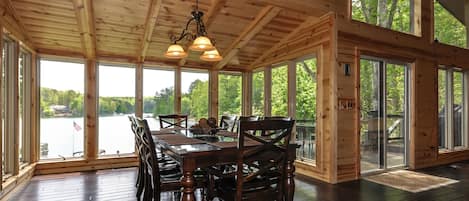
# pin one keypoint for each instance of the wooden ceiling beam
(263, 18)
(283, 41)
(208, 19)
(315, 8)
(150, 23)
(17, 18)
(86, 25)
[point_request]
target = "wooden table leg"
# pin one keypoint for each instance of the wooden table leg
(290, 181)
(188, 182)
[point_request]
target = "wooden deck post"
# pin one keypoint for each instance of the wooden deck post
(91, 101)
(139, 90)
(213, 93)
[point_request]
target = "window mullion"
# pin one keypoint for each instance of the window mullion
(449, 110)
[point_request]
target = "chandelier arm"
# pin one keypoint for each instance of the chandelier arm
(185, 32)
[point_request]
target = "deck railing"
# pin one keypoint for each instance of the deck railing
(306, 138)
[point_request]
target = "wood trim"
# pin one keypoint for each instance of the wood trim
(91, 102)
(85, 165)
(17, 183)
(291, 86)
(177, 90)
(15, 110)
(246, 104)
(86, 25)
(268, 91)
(208, 18)
(2, 99)
(150, 23)
(263, 18)
(308, 22)
(34, 108)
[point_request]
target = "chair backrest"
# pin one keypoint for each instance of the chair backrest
(148, 155)
(173, 121)
(278, 118)
(267, 161)
(228, 123)
(134, 127)
(245, 118)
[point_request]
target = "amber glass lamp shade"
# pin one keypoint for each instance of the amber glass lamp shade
(201, 44)
(175, 51)
(211, 55)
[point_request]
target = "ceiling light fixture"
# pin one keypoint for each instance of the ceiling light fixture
(201, 42)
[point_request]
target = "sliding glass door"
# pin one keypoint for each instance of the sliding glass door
(384, 114)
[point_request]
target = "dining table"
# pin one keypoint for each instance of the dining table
(193, 150)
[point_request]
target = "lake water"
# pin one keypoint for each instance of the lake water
(63, 138)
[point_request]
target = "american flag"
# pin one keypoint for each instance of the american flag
(76, 126)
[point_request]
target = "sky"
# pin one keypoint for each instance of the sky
(112, 81)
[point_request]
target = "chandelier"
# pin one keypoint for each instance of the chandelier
(200, 43)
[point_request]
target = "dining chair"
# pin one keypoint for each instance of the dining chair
(228, 123)
(159, 177)
(245, 118)
(260, 170)
(173, 121)
(138, 147)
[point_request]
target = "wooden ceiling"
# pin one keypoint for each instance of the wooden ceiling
(139, 30)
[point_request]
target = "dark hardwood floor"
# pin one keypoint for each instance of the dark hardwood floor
(118, 185)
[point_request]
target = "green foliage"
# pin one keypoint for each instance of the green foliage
(162, 102)
(229, 94)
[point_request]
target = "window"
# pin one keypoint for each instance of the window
(116, 102)
(229, 94)
(449, 28)
(391, 14)
(158, 95)
(194, 90)
(61, 109)
(8, 115)
(280, 91)
(451, 109)
(305, 113)
(258, 93)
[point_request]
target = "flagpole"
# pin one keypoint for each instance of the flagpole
(73, 139)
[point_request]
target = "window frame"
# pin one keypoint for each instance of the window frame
(26, 116)
(38, 142)
(449, 146)
(113, 65)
